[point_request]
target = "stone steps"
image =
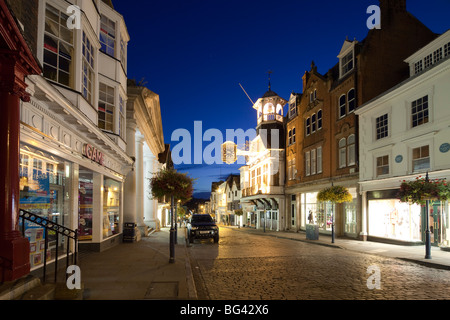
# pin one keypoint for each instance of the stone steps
(31, 288)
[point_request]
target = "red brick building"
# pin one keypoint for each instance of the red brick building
(327, 144)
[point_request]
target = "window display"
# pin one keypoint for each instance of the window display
(390, 218)
(43, 191)
(85, 202)
(111, 205)
(318, 213)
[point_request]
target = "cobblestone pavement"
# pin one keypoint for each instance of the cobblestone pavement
(246, 266)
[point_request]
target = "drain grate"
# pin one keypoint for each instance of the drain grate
(162, 290)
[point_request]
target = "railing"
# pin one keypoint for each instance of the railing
(270, 117)
(59, 231)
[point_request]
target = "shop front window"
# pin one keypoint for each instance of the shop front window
(44, 191)
(85, 204)
(318, 213)
(111, 205)
(392, 219)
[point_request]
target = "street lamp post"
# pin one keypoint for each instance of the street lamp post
(172, 234)
(332, 224)
(427, 231)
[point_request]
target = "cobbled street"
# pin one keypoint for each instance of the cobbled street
(248, 266)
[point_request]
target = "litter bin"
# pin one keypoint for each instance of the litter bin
(129, 232)
(312, 232)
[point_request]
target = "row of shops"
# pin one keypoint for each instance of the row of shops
(387, 219)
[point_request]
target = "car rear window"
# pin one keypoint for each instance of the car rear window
(202, 218)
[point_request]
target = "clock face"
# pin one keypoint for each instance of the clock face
(229, 153)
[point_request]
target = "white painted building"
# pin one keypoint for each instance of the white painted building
(405, 133)
(73, 142)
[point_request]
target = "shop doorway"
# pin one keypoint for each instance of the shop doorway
(437, 216)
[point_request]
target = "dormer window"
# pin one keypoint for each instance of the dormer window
(292, 109)
(347, 63)
(437, 55)
(418, 67)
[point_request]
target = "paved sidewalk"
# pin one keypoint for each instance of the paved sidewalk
(414, 253)
(139, 271)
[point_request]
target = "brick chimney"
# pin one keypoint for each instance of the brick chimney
(389, 9)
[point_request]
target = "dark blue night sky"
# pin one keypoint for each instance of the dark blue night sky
(195, 53)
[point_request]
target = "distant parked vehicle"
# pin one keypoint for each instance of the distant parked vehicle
(202, 226)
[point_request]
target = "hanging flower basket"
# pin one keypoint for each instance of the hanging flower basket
(336, 194)
(420, 190)
(172, 183)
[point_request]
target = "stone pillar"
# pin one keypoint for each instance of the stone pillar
(140, 180)
(16, 63)
(150, 205)
(129, 199)
(14, 249)
(363, 206)
(97, 209)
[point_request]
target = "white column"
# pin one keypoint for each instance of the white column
(72, 175)
(150, 205)
(97, 208)
(72, 207)
(363, 233)
(140, 180)
(129, 201)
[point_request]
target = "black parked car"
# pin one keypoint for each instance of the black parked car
(202, 226)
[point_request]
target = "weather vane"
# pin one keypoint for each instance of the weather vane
(270, 72)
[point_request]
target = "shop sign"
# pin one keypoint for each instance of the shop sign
(93, 154)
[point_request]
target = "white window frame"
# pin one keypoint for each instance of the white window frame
(319, 160)
(88, 69)
(428, 61)
(382, 128)
(420, 112)
(307, 163)
(437, 55)
(342, 149)
(388, 165)
(313, 162)
(105, 30)
(351, 151)
(308, 126)
(343, 63)
(413, 160)
(418, 67)
(59, 42)
(122, 117)
(108, 103)
(446, 49)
